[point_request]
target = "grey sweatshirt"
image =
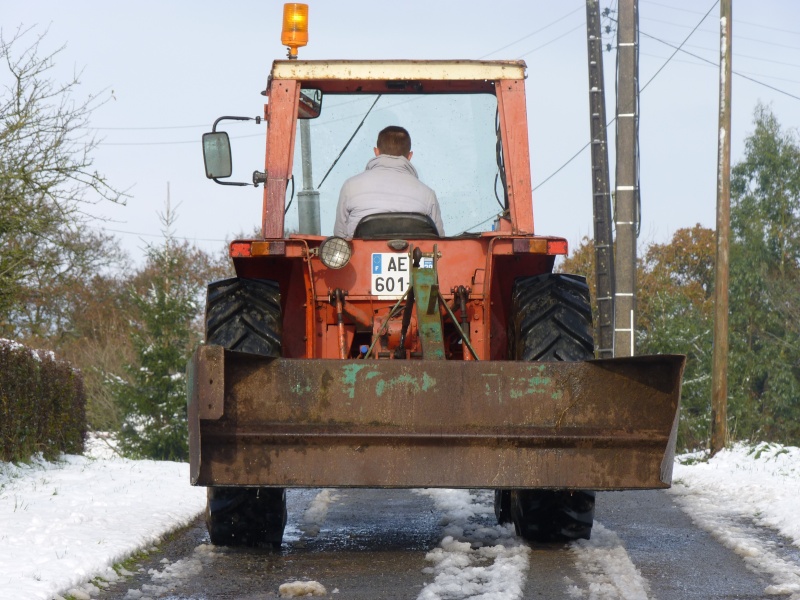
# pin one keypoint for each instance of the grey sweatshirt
(389, 184)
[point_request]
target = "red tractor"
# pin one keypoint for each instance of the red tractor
(399, 358)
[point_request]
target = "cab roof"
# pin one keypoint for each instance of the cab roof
(398, 76)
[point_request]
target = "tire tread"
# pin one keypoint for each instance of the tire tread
(245, 315)
(551, 320)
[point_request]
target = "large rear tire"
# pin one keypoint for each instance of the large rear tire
(245, 315)
(551, 320)
(552, 515)
(246, 516)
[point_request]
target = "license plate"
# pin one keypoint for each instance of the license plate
(390, 274)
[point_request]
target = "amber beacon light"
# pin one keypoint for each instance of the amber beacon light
(295, 27)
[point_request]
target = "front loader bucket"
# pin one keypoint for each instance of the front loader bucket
(601, 424)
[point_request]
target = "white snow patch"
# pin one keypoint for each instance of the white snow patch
(742, 485)
(317, 511)
(37, 355)
(295, 589)
(63, 524)
(100, 444)
(79, 594)
(606, 567)
(474, 560)
(174, 574)
(11, 344)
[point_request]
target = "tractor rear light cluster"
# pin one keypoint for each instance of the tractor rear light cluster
(245, 249)
(539, 246)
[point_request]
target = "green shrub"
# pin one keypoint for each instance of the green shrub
(42, 404)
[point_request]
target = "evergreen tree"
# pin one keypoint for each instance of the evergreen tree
(765, 285)
(153, 400)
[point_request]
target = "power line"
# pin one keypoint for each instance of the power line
(678, 48)
(711, 31)
(565, 34)
(579, 152)
(569, 14)
(233, 137)
(562, 167)
(749, 56)
(705, 65)
(146, 128)
(695, 12)
(147, 143)
(162, 236)
(156, 128)
(711, 62)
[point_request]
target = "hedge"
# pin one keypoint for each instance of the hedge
(42, 404)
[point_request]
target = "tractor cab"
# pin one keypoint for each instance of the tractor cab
(463, 118)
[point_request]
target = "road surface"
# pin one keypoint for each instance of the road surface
(370, 544)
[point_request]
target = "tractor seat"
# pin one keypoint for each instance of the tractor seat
(387, 226)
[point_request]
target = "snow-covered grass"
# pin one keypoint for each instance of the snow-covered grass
(65, 524)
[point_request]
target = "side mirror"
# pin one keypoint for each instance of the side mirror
(310, 103)
(217, 154)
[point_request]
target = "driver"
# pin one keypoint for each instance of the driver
(389, 184)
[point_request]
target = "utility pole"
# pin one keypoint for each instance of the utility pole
(719, 369)
(308, 197)
(601, 195)
(627, 192)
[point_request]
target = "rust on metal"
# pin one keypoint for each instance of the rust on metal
(604, 424)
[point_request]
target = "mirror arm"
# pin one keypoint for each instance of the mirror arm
(256, 119)
(215, 180)
(258, 177)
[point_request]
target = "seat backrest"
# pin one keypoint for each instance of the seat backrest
(386, 226)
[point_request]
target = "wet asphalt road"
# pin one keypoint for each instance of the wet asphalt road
(372, 545)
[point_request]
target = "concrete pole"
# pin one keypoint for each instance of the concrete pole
(308, 197)
(719, 369)
(627, 192)
(601, 194)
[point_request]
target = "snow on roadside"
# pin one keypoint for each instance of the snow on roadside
(744, 487)
(606, 567)
(173, 574)
(474, 560)
(64, 523)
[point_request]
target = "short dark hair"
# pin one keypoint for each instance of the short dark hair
(394, 141)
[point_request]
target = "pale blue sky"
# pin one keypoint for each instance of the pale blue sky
(171, 68)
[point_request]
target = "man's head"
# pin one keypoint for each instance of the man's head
(394, 141)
